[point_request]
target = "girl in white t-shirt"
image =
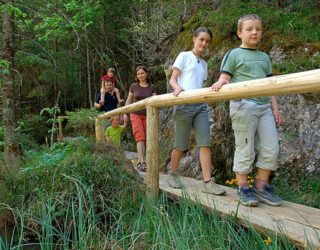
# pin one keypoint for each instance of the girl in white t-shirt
(189, 72)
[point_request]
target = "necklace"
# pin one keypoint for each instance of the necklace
(198, 57)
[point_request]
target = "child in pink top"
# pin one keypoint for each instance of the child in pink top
(110, 75)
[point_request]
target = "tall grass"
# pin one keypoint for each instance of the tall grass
(166, 225)
(78, 197)
(186, 225)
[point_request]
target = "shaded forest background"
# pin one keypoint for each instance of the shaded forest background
(66, 46)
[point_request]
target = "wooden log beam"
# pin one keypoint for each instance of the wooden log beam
(126, 109)
(303, 82)
(153, 152)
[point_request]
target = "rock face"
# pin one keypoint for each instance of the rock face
(300, 133)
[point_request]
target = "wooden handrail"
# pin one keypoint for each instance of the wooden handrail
(303, 82)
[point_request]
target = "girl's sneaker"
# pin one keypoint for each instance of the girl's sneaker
(174, 181)
(213, 188)
(267, 196)
(246, 197)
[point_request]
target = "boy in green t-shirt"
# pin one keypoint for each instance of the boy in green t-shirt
(113, 132)
(254, 120)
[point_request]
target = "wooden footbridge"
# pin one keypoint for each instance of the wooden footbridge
(299, 223)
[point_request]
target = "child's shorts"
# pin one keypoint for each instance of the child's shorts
(254, 131)
(139, 126)
(187, 117)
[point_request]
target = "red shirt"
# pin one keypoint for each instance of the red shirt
(105, 77)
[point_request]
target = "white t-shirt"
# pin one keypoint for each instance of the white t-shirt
(194, 70)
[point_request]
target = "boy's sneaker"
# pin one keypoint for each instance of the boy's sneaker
(212, 188)
(174, 181)
(267, 196)
(246, 197)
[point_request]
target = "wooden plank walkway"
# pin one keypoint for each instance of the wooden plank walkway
(301, 224)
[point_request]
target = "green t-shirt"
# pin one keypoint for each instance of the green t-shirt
(114, 134)
(247, 64)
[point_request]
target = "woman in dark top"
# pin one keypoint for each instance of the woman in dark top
(141, 89)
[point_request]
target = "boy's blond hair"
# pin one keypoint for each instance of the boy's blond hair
(113, 117)
(247, 17)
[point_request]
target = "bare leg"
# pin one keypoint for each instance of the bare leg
(242, 180)
(262, 178)
(263, 174)
(205, 161)
(176, 155)
(141, 149)
(209, 185)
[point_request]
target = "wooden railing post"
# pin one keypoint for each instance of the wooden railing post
(153, 153)
(99, 132)
(60, 120)
(60, 135)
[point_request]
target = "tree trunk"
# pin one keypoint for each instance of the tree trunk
(12, 149)
(88, 70)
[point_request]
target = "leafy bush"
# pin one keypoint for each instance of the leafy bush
(81, 122)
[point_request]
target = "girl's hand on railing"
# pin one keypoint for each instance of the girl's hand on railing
(177, 91)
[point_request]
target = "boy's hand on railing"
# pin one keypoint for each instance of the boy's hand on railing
(177, 91)
(217, 85)
(277, 117)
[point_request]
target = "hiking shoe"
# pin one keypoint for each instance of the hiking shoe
(174, 181)
(212, 188)
(141, 166)
(267, 196)
(246, 197)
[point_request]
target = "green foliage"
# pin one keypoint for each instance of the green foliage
(4, 67)
(81, 122)
(296, 63)
(304, 188)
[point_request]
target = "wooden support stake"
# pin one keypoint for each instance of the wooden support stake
(99, 132)
(60, 138)
(60, 120)
(153, 153)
